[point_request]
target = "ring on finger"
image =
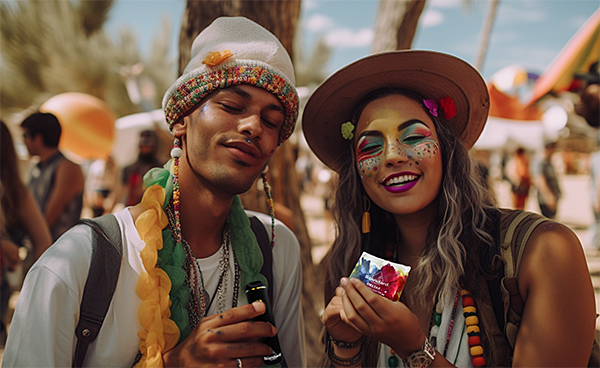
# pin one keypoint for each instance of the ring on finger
(239, 362)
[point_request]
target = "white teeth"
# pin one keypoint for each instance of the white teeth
(400, 179)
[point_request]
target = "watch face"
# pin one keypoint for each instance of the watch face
(421, 358)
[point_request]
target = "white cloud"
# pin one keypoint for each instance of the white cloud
(444, 3)
(345, 37)
(319, 22)
(431, 18)
(309, 4)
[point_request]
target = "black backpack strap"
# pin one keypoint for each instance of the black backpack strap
(262, 237)
(105, 265)
(265, 247)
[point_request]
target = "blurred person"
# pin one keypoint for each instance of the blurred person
(101, 181)
(20, 217)
(55, 182)
(589, 94)
(546, 182)
(517, 171)
(595, 197)
(188, 248)
(588, 107)
(132, 175)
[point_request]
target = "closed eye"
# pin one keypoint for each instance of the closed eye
(230, 108)
(413, 137)
(368, 149)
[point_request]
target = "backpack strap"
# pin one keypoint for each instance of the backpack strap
(267, 252)
(262, 237)
(515, 229)
(105, 265)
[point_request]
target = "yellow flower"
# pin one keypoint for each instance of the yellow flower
(215, 58)
(347, 129)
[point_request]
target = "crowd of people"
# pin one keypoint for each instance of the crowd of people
(396, 128)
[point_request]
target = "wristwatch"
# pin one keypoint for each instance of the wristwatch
(421, 358)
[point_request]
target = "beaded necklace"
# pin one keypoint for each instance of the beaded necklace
(471, 324)
(200, 301)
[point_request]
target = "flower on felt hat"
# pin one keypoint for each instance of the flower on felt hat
(215, 58)
(448, 107)
(347, 129)
(432, 106)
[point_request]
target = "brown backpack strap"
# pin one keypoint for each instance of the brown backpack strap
(515, 229)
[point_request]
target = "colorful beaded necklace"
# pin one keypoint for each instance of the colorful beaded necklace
(163, 313)
(471, 324)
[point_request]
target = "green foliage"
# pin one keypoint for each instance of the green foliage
(54, 46)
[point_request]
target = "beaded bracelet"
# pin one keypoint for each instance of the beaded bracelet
(342, 361)
(347, 345)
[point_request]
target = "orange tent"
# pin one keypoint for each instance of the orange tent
(580, 52)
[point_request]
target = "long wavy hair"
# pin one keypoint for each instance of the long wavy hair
(11, 181)
(458, 237)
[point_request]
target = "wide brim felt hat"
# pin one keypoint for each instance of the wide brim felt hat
(431, 74)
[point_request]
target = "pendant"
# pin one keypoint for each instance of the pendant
(393, 361)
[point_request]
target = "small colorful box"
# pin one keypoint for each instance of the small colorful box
(383, 277)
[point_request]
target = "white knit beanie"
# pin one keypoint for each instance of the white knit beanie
(231, 51)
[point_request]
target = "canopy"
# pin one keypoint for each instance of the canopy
(582, 50)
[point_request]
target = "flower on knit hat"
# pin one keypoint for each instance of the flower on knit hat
(347, 129)
(448, 106)
(215, 58)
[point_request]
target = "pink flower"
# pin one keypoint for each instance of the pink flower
(448, 107)
(432, 106)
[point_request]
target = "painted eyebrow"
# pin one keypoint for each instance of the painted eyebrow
(409, 123)
(248, 97)
(406, 124)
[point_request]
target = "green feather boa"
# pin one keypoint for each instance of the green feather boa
(172, 257)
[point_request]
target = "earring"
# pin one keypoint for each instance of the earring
(267, 189)
(366, 217)
(176, 153)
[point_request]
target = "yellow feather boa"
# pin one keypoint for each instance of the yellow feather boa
(160, 333)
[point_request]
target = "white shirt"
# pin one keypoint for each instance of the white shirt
(42, 332)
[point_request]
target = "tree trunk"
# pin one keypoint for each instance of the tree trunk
(279, 17)
(396, 24)
(485, 34)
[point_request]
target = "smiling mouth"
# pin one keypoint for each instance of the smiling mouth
(400, 180)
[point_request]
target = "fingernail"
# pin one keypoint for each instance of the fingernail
(258, 306)
(344, 281)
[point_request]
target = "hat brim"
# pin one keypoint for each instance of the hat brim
(431, 74)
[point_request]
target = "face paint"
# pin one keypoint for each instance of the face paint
(415, 143)
(368, 155)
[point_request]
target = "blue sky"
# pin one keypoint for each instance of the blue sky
(529, 33)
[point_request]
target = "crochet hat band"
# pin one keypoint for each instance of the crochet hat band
(232, 51)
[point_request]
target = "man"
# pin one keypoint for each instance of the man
(589, 108)
(589, 104)
(132, 183)
(231, 108)
(55, 182)
(546, 182)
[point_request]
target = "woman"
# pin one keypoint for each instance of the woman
(397, 127)
(21, 215)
